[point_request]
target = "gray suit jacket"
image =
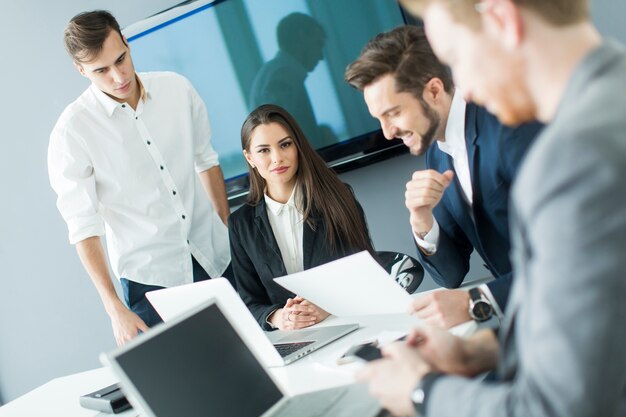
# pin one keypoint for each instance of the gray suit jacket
(563, 339)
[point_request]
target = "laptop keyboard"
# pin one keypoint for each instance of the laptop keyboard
(285, 349)
(314, 404)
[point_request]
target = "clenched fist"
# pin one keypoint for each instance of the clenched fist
(423, 193)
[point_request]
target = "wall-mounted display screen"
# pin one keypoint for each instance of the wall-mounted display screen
(239, 54)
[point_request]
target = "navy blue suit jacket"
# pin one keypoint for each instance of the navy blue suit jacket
(494, 153)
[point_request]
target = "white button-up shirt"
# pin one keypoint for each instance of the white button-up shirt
(287, 224)
(455, 146)
(130, 174)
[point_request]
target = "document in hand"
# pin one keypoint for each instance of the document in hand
(352, 286)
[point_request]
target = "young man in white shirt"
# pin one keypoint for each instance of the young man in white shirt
(460, 203)
(121, 160)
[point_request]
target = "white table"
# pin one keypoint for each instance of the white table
(59, 397)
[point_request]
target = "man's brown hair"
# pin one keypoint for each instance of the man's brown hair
(555, 12)
(85, 34)
(403, 52)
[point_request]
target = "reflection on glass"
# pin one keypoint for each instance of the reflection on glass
(241, 53)
(281, 80)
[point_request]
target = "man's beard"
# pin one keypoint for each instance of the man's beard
(429, 136)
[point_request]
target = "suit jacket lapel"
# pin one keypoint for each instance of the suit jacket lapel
(454, 194)
(275, 258)
(473, 150)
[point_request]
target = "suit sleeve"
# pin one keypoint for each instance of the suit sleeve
(449, 265)
(513, 149)
(249, 285)
(569, 239)
(500, 289)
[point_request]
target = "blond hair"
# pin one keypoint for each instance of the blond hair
(555, 12)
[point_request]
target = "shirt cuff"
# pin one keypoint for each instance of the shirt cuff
(267, 318)
(487, 293)
(430, 240)
(80, 229)
(207, 164)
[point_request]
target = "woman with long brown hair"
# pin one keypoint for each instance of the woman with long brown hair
(298, 215)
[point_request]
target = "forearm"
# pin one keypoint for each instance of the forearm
(480, 353)
(263, 313)
(93, 258)
(213, 182)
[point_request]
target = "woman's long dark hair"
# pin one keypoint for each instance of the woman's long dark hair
(325, 196)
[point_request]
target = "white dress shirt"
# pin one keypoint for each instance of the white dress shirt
(455, 146)
(130, 174)
(288, 224)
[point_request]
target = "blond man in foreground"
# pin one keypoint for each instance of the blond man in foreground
(560, 350)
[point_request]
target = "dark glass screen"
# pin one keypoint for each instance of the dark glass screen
(200, 367)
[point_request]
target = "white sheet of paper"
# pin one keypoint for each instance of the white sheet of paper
(352, 286)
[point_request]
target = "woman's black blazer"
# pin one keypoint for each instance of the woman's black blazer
(256, 258)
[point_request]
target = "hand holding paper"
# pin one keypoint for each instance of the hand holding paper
(352, 286)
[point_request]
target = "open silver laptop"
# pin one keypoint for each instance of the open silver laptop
(275, 348)
(181, 369)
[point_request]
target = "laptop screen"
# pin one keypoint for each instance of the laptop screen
(199, 367)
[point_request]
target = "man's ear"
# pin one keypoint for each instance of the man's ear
(433, 91)
(502, 20)
(79, 68)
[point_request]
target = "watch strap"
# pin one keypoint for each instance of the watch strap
(426, 385)
(475, 294)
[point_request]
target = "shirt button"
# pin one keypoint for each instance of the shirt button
(136, 117)
(123, 105)
(183, 216)
(148, 142)
(161, 167)
(187, 241)
(174, 192)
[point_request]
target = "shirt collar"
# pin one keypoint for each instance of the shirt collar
(277, 208)
(110, 105)
(455, 127)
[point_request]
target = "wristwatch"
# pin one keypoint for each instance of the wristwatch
(419, 393)
(418, 396)
(480, 309)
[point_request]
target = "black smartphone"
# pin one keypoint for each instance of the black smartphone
(349, 356)
(368, 353)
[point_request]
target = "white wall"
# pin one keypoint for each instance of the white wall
(51, 319)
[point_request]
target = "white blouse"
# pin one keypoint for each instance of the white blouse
(287, 224)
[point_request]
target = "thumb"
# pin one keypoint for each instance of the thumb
(417, 336)
(449, 176)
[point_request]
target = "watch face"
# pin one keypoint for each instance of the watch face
(482, 311)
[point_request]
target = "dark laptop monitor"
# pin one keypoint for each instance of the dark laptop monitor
(184, 369)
